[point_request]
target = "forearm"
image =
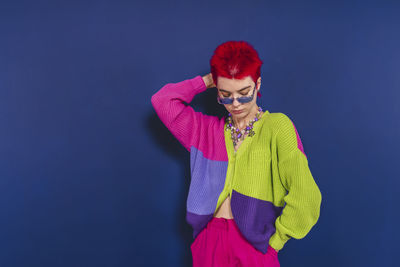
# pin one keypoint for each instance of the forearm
(168, 102)
(182, 121)
(303, 201)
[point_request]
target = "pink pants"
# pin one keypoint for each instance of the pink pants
(221, 244)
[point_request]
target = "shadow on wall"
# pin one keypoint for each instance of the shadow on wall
(171, 147)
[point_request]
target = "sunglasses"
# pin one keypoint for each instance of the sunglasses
(242, 100)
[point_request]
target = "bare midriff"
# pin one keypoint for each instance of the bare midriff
(224, 211)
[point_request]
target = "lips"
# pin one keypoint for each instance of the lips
(237, 111)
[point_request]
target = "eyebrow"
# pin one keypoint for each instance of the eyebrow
(237, 90)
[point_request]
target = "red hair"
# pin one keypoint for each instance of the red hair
(235, 59)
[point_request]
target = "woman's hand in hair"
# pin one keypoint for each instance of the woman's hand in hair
(208, 80)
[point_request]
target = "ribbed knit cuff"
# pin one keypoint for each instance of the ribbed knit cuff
(198, 84)
(276, 242)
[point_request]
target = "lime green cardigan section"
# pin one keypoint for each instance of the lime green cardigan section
(272, 166)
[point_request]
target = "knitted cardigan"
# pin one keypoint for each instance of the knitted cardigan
(273, 194)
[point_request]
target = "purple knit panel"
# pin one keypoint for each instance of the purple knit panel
(198, 222)
(255, 219)
(207, 183)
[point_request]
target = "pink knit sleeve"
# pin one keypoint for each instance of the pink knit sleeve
(180, 118)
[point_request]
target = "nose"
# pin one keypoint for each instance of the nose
(236, 103)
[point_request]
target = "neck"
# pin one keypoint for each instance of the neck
(242, 122)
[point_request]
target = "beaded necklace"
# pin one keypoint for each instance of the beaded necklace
(237, 134)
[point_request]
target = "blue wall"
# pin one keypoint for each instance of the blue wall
(89, 176)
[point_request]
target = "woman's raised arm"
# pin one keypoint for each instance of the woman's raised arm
(180, 118)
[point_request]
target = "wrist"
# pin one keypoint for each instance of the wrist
(208, 81)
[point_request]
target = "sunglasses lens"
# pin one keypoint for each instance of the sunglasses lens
(244, 99)
(228, 101)
(224, 101)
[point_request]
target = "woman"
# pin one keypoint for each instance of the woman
(251, 189)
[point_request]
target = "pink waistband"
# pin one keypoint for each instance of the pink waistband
(230, 224)
(221, 223)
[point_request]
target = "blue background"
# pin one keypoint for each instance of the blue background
(89, 175)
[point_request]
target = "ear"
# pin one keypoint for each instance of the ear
(259, 86)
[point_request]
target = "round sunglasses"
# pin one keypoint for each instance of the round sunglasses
(242, 99)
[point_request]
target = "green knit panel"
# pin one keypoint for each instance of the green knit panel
(270, 166)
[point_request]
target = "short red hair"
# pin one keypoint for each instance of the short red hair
(235, 59)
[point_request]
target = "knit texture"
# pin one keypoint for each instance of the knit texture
(274, 196)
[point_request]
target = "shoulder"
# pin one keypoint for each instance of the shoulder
(286, 134)
(285, 129)
(280, 122)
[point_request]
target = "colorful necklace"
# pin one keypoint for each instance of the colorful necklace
(237, 134)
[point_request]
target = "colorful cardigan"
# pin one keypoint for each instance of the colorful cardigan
(273, 194)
